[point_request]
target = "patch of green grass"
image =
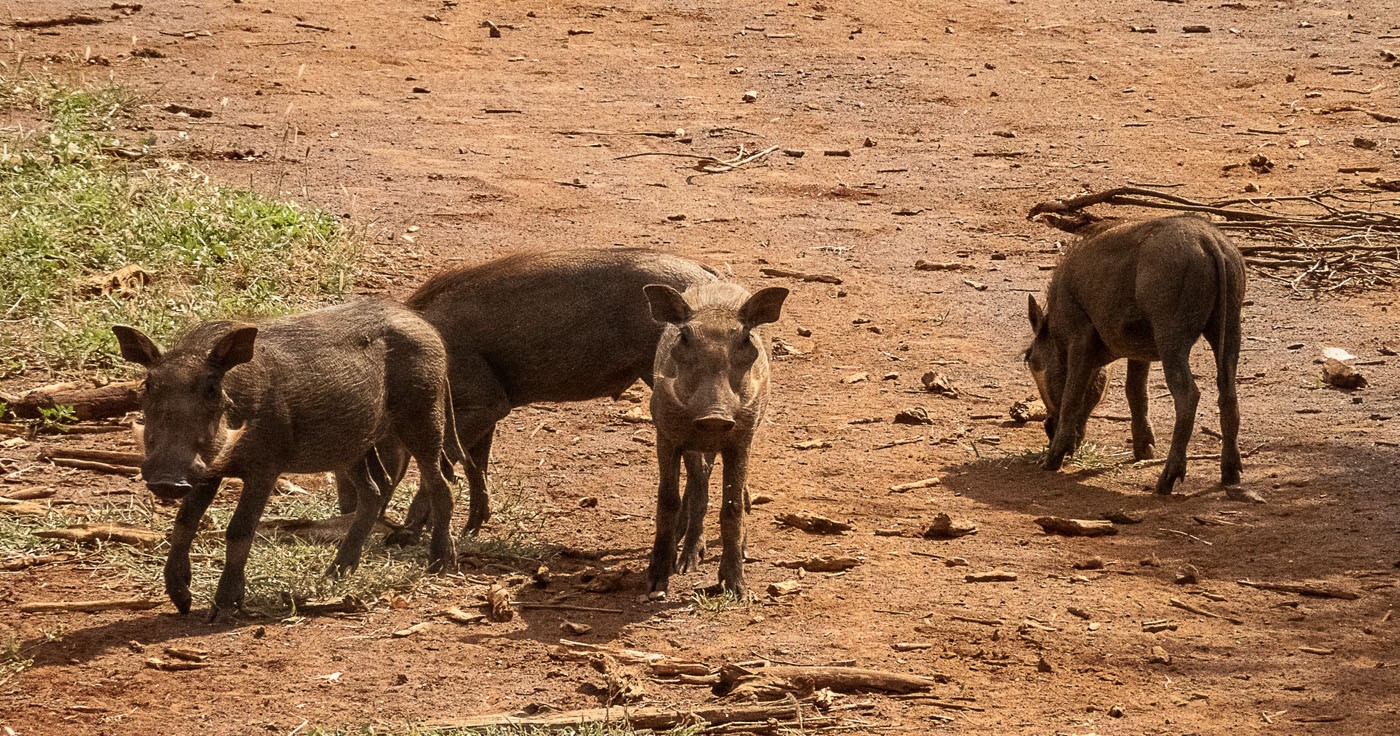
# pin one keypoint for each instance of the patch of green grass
(711, 603)
(71, 211)
(1088, 456)
(13, 660)
(283, 570)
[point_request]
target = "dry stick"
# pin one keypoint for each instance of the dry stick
(1183, 605)
(1188, 536)
(983, 621)
(95, 466)
(1318, 591)
(653, 718)
(133, 459)
(565, 607)
(897, 443)
(120, 604)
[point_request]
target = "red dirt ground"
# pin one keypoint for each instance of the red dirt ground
(920, 98)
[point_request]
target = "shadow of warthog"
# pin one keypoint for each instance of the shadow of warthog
(1144, 291)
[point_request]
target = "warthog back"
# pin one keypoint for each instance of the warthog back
(557, 325)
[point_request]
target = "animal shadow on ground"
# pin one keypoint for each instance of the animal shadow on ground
(1329, 508)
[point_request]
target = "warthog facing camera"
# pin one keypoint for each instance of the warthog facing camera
(708, 396)
(303, 394)
(1144, 291)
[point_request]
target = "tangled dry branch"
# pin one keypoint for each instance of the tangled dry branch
(1322, 241)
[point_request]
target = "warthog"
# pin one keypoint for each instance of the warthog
(302, 394)
(1143, 291)
(557, 325)
(709, 391)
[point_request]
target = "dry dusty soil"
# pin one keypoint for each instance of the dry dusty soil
(926, 133)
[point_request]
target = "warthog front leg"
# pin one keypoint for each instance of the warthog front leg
(668, 517)
(1136, 385)
(695, 503)
(731, 519)
(1185, 395)
(238, 540)
(177, 564)
(1075, 405)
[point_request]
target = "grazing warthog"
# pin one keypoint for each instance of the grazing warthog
(558, 325)
(1143, 291)
(708, 395)
(302, 394)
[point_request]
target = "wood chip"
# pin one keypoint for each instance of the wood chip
(410, 631)
(786, 587)
(819, 563)
(915, 485)
(1076, 527)
(813, 523)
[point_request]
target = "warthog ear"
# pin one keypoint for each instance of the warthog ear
(667, 304)
(1036, 314)
(765, 306)
(233, 349)
(136, 347)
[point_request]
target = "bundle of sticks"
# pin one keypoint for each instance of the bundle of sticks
(1321, 241)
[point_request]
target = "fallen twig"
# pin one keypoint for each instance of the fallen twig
(64, 20)
(119, 604)
(131, 459)
(653, 718)
(800, 276)
(1206, 542)
(1312, 589)
(1183, 605)
(90, 533)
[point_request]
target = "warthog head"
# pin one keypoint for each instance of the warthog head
(186, 437)
(1046, 360)
(712, 360)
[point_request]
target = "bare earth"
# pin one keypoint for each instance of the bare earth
(453, 147)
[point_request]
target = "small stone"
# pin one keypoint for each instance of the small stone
(751, 96)
(1188, 575)
(1092, 563)
(1043, 665)
(575, 629)
(913, 415)
(1115, 711)
(1159, 656)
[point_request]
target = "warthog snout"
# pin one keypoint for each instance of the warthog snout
(170, 490)
(715, 423)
